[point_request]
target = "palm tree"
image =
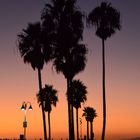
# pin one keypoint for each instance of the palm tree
(70, 55)
(90, 114)
(64, 65)
(31, 50)
(79, 93)
(49, 98)
(106, 19)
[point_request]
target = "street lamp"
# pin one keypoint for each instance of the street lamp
(24, 108)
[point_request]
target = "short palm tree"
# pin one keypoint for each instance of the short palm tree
(90, 114)
(70, 54)
(31, 50)
(106, 19)
(49, 98)
(79, 93)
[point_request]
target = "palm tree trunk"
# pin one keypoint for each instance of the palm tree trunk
(72, 121)
(71, 111)
(43, 113)
(91, 131)
(87, 130)
(104, 97)
(77, 123)
(69, 115)
(49, 125)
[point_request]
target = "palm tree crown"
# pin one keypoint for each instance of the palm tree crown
(89, 113)
(71, 62)
(79, 93)
(30, 45)
(106, 19)
(49, 97)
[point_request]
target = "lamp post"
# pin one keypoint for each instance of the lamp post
(24, 108)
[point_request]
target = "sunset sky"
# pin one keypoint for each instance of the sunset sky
(18, 81)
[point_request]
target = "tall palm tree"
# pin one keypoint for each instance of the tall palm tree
(70, 55)
(79, 93)
(90, 114)
(49, 98)
(64, 65)
(31, 50)
(106, 19)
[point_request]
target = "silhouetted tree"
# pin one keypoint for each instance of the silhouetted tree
(79, 93)
(31, 48)
(90, 114)
(106, 19)
(70, 54)
(49, 97)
